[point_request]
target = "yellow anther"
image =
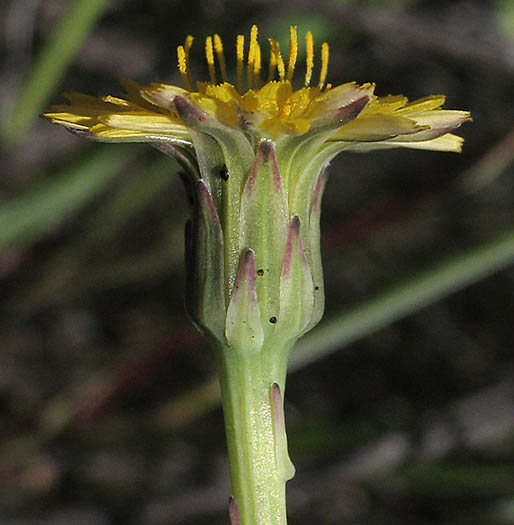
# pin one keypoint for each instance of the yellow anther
(182, 64)
(324, 65)
(209, 54)
(278, 57)
(253, 62)
(293, 51)
(251, 54)
(218, 47)
(272, 62)
(182, 67)
(280, 65)
(309, 53)
(188, 42)
(240, 52)
(257, 67)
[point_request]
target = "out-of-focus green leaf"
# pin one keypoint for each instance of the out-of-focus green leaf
(504, 511)
(405, 298)
(131, 199)
(459, 479)
(28, 216)
(506, 17)
(49, 67)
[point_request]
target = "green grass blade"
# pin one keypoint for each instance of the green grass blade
(49, 67)
(132, 198)
(405, 298)
(26, 217)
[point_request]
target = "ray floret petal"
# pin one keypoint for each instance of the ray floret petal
(259, 107)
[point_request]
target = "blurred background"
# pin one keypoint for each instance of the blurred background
(400, 403)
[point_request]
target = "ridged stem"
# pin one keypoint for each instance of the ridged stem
(256, 442)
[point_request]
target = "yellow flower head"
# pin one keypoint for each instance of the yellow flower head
(264, 104)
(255, 151)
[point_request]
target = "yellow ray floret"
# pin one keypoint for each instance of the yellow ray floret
(349, 114)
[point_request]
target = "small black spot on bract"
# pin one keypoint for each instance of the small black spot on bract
(224, 172)
(260, 272)
(316, 287)
(273, 320)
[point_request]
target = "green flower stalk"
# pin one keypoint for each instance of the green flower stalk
(255, 155)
